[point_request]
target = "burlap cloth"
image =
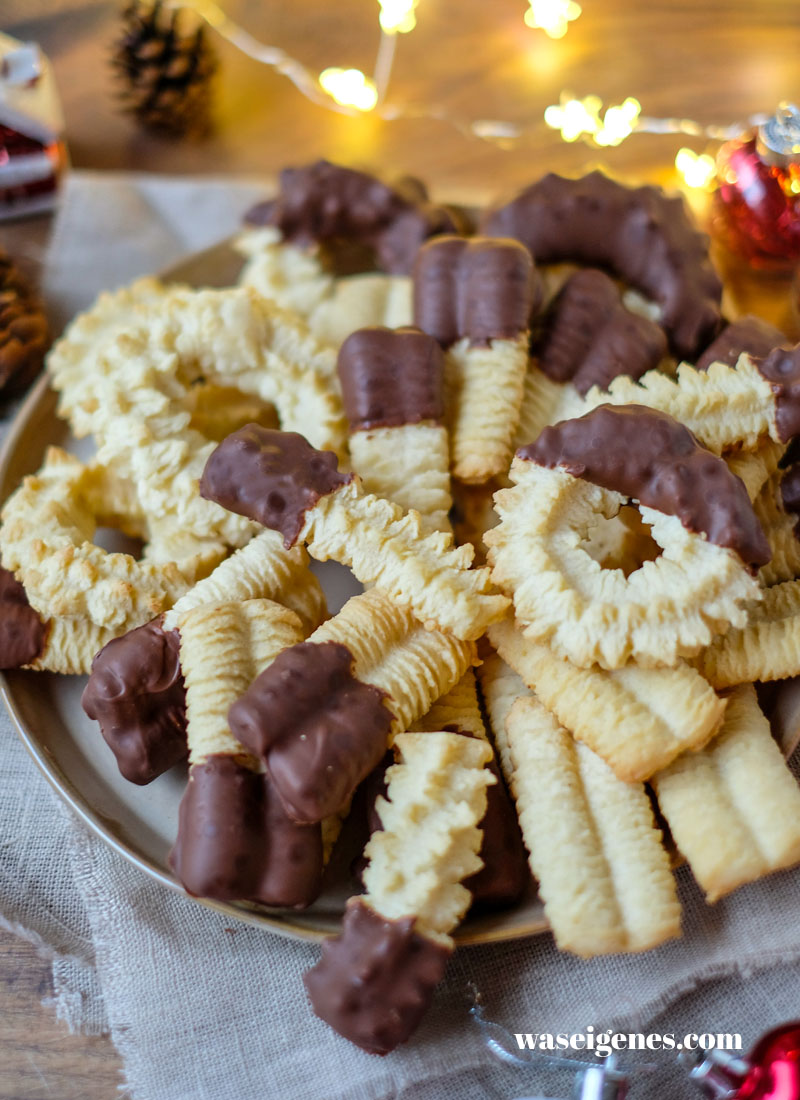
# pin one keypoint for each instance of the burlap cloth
(200, 1010)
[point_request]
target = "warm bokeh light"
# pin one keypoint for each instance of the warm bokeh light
(576, 118)
(697, 170)
(552, 16)
(350, 88)
(398, 16)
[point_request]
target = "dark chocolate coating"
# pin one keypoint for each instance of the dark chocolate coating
(790, 492)
(648, 456)
(749, 334)
(589, 337)
(484, 289)
(781, 368)
(375, 980)
(270, 476)
(235, 841)
(136, 693)
(640, 234)
(327, 204)
(391, 377)
(22, 633)
(505, 874)
(320, 730)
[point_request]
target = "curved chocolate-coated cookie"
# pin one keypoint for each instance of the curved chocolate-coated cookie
(483, 289)
(23, 634)
(270, 476)
(319, 729)
(136, 693)
(236, 843)
(749, 334)
(391, 377)
(375, 980)
(328, 204)
(781, 368)
(589, 337)
(648, 456)
(639, 233)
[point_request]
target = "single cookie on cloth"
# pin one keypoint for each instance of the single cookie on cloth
(636, 719)
(734, 808)
(640, 234)
(136, 690)
(699, 514)
(393, 393)
(235, 840)
(279, 480)
(323, 714)
(476, 297)
(375, 980)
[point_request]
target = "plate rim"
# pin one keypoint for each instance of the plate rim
(280, 923)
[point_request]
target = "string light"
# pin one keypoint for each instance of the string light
(349, 88)
(351, 92)
(552, 16)
(697, 170)
(577, 118)
(397, 16)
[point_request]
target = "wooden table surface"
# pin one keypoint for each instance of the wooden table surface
(718, 62)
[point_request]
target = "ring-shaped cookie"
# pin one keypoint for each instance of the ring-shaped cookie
(640, 234)
(670, 606)
(139, 403)
(47, 542)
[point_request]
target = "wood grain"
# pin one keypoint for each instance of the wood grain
(718, 61)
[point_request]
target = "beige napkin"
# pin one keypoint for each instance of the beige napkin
(203, 1010)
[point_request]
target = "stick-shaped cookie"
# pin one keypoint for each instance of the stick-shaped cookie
(135, 689)
(476, 297)
(637, 719)
(603, 873)
(375, 981)
(393, 393)
(322, 715)
(767, 648)
(734, 808)
(235, 840)
(504, 876)
(278, 479)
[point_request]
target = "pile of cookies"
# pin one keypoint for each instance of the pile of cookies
(568, 486)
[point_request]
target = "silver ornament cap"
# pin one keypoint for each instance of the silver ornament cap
(778, 139)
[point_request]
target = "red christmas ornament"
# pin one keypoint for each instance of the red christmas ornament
(758, 198)
(770, 1072)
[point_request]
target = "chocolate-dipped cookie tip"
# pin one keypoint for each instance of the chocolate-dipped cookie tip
(136, 693)
(23, 634)
(271, 477)
(391, 377)
(375, 981)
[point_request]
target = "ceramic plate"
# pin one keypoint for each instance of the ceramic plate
(141, 822)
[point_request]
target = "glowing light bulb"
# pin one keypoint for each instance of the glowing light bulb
(619, 122)
(552, 16)
(696, 170)
(575, 117)
(397, 16)
(349, 88)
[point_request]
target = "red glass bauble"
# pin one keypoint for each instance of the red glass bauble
(757, 205)
(774, 1062)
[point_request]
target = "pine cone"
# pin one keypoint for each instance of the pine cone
(23, 330)
(165, 73)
